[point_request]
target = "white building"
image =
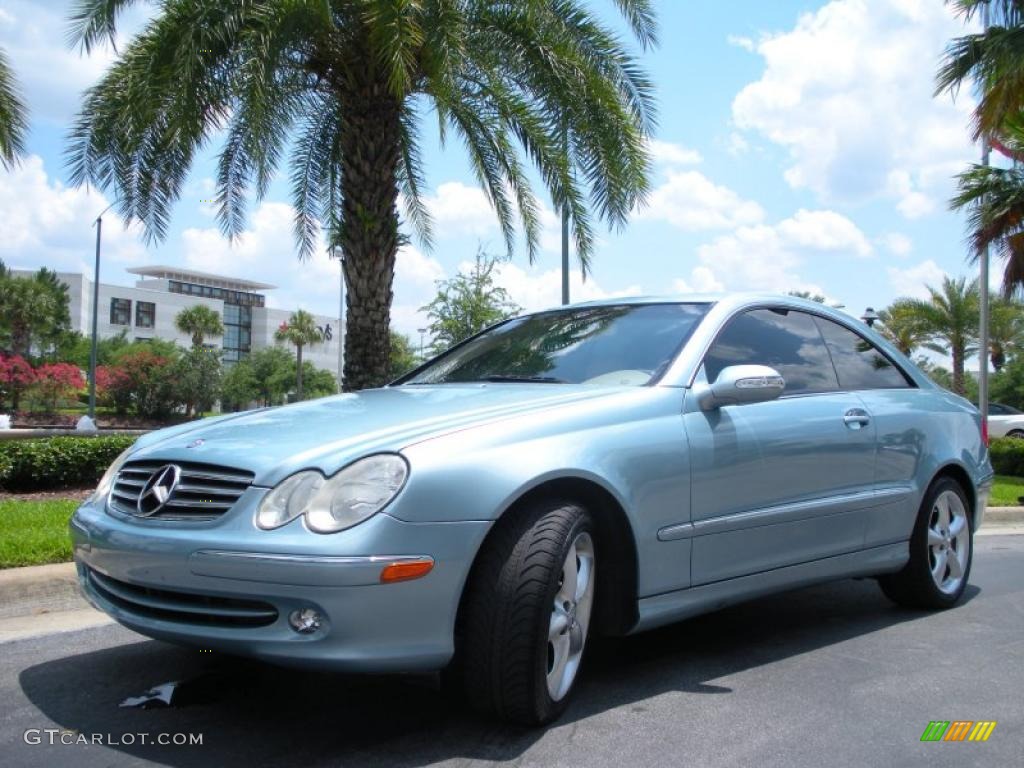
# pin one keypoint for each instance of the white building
(148, 311)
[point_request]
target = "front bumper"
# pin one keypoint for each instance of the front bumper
(231, 587)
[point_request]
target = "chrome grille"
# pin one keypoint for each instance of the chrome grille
(203, 492)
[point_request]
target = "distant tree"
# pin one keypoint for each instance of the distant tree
(904, 325)
(273, 369)
(467, 304)
(114, 388)
(403, 357)
(198, 376)
(199, 322)
(1005, 330)
(1007, 385)
(33, 311)
(16, 376)
(55, 382)
(149, 370)
(809, 296)
(300, 331)
(318, 382)
(239, 387)
(950, 316)
(13, 116)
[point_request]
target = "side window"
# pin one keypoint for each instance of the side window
(787, 340)
(996, 410)
(859, 363)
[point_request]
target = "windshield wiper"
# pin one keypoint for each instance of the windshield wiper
(503, 378)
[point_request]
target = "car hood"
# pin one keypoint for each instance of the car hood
(331, 432)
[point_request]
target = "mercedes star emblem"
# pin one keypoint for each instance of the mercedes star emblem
(157, 490)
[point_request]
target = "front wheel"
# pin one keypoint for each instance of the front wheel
(527, 614)
(1016, 433)
(940, 551)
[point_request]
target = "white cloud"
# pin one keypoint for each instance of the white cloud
(741, 41)
(45, 223)
(825, 231)
(460, 209)
(52, 75)
(533, 288)
(766, 257)
(897, 243)
(692, 202)
(848, 92)
(668, 154)
(914, 281)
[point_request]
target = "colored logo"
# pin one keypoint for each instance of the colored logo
(958, 730)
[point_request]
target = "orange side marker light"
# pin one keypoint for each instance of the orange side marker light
(407, 570)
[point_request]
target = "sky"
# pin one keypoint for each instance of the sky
(799, 147)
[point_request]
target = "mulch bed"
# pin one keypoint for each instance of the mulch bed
(76, 494)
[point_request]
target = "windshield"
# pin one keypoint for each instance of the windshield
(629, 344)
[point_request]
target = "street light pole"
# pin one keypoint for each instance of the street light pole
(95, 314)
(565, 233)
(337, 253)
(422, 331)
(983, 291)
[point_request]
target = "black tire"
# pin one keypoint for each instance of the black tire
(502, 659)
(914, 585)
(1016, 433)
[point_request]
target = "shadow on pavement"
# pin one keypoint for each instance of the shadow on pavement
(253, 714)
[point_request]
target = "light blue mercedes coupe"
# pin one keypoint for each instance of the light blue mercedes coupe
(601, 468)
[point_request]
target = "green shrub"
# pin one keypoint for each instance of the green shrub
(57, 462)
(1007, 456)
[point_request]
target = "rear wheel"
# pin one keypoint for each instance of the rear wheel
(527, 614)
(1017, 433)
(941, 549)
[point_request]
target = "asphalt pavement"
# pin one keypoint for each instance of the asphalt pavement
(833, 675)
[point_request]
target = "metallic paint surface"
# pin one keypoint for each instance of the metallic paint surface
(723, 505)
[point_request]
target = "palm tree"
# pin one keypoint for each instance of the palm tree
(994, 200)
(13, 125)
(300, 330)
(199, 322)
(1005, 331)
(903, 326)
(992, 59)
(950, 317)
(343, 86)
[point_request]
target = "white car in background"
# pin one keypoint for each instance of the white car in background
(1005, 421)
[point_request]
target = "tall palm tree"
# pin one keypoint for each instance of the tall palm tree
(13, 123)
(344, 85)
(992, 59)
(199, 322)
(950, 316)
(903, 326)
(300, 330)
(1005, 331)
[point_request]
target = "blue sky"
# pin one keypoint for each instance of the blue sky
(799, 147)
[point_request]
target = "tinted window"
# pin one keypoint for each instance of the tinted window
(859, 363)
(611, 345)
(787, 341)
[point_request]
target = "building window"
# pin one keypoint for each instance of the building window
(145, 314)
(120, 311)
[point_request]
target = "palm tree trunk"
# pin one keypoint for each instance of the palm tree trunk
(958, 370)
(298, 373)
(370, 147)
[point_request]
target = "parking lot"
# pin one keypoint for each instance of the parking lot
(832, 675)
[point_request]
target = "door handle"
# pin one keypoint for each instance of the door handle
(856, 418)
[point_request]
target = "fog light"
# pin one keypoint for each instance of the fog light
(305, 621)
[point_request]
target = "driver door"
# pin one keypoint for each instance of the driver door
(780, 482)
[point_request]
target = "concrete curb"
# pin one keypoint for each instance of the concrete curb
(38, 589)
(1004, 516)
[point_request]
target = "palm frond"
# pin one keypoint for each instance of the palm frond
(13, 120)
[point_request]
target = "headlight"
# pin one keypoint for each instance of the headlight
(354, 494)
(108, 477)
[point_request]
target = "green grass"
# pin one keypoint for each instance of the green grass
(1006, 491)
(34, 532)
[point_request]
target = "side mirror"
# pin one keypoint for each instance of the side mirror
(741, 384)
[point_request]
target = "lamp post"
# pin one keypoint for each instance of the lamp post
(869, 317)
(336, 253)
(422, 331)
(983, 319)
(95, 313)
(565, 233)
